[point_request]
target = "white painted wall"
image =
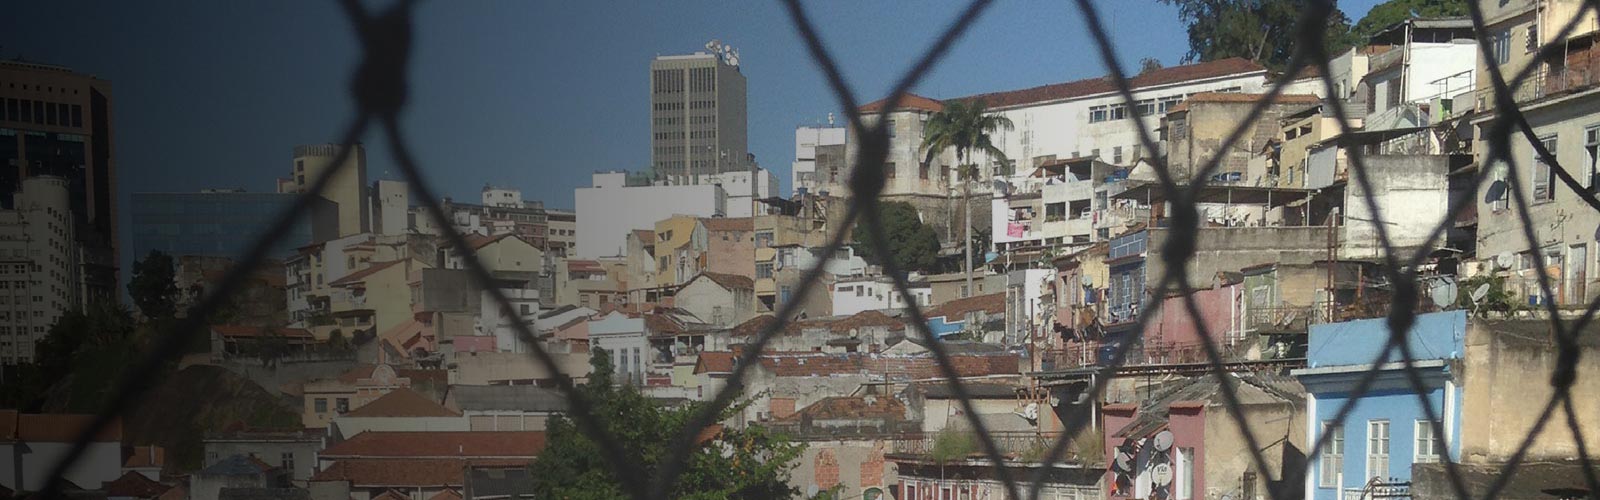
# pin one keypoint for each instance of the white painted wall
(623, 338)
(806, 140)
(608, 210)
(394, 207)
(873, 294)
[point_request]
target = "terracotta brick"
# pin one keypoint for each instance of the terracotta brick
(827, 469)
(781, 407)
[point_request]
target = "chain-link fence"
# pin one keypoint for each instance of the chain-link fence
(379, 87)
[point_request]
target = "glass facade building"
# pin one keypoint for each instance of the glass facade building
(212, 224)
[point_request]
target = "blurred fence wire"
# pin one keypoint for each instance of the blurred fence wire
(379, 88)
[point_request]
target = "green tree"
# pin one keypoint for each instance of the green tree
(966, 127)
(89, 348)
(743, 463)
(1388, 13)
(912, 244)
(1149, 64)
(153, 286)
(1264, 31)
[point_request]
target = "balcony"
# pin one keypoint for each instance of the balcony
(1579, 73)
(1012, 444)
(1091, 354)
(1283, 319)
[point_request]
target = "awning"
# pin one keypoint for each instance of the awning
(1239, 195)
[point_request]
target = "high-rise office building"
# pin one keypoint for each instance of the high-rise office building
(40, 263)
(347, 189)
(697, 115)
(57, 122)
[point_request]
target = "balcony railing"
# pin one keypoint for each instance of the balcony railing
(1013, 444)
(1578, 74)
(1283, 319)
(1087, 354)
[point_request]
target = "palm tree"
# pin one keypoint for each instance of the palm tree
(966, 127)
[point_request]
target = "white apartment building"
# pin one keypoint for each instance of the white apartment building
(741, 195)
(1419, 62)
(803, 172)
(39, 266)
(612, 206)
(875, 293)
(391, 207)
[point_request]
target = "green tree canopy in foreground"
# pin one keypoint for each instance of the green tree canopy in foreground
(747, 463)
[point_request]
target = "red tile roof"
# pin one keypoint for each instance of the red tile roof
(52, 427)
(396, 473)
(361, 276)
(729, 224)
(729, 281)
(447, 494)
(1086, 87)
(403, 402)
(584, 265)
(909, 102)
(753, 326)
(242, 331)
(645, 236)
(866, 319)
(441, 444)
(1103, 85)
(136, 485)
(714, 362)
(391, 495)
(994, 303)
(851, 407)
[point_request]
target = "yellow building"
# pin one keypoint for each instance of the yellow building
(376, 298)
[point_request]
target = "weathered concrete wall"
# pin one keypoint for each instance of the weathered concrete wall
(855, 464)
(943, 213)
(1506, 381)
(1410, 194)
(1233, 248)
(1280, 429)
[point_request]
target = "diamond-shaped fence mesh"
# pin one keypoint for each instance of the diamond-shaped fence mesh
(379, 87)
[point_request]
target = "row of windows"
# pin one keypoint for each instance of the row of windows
(1143, 107)
(42, 112)
(1427, 448)
(44, 88)
(1544, 180)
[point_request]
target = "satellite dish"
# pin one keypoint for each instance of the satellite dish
(1504, 260)
(1444, 292)
(1161, 474)
(1480, 292)
(1495, 192)
(1123, 462)
(1163, 441)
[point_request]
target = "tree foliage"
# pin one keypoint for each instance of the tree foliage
(737, 463)
(87, 348)
(913, 245)
(965, 127)
(1264, 31)
(1393, 11)
(153, 287)
(1149, 64)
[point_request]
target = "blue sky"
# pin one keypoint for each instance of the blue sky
(533, 95)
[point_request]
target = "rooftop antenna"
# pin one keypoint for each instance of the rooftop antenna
(830, 125)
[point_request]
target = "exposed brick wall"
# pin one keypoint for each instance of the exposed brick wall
(826, 471)
(872, 467)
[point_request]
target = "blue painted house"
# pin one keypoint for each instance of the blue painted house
(1387, 430)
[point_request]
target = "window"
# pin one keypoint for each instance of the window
(1543, 175)
(1591, 144)
(1116, 155)
(1378, 448)
(1501, 44)
(288, 462)
(1097, 114)
(1184, 489)
(764, 270)
(1119, 111)
(342, 405)
(1533, 38)
(1394, 92)
(922, 171)
(890, 126)
(1504, 201)
(320, 405)
(1332, 463)
(1428, 447)
(1145, 107)
(888, 169)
